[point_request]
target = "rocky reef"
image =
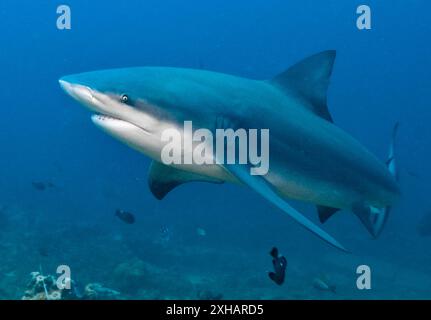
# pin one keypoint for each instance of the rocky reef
(95, 291)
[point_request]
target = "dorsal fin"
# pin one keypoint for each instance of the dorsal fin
(162, 179)
(309, 79)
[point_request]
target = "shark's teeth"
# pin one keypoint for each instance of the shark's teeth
(103, 117)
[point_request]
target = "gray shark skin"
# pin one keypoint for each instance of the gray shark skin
(311, 159)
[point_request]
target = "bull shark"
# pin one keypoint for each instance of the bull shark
(312, 159)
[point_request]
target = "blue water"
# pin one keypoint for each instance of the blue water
(381, 76)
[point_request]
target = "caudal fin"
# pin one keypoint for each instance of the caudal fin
(373, 218)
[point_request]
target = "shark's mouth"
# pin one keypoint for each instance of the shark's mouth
(100, 117)
(111, 123)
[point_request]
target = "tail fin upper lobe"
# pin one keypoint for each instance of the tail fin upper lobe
(374, 218)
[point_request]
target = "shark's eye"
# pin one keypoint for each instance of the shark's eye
(124, 98)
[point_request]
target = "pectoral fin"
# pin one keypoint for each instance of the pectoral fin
(261, 186)
(162, 179)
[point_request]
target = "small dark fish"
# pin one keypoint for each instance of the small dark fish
(280, 264)
(125, 216)
(41, 186)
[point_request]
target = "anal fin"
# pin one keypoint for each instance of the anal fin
(325, 213)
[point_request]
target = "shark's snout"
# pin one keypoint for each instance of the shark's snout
(79, 92)
(65, 85)
(112, 114)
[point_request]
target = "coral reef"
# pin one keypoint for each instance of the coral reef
(42, 287)
(136, 274)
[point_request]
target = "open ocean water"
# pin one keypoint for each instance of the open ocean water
(62, 179)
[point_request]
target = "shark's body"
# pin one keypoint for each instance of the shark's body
(311, 159)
